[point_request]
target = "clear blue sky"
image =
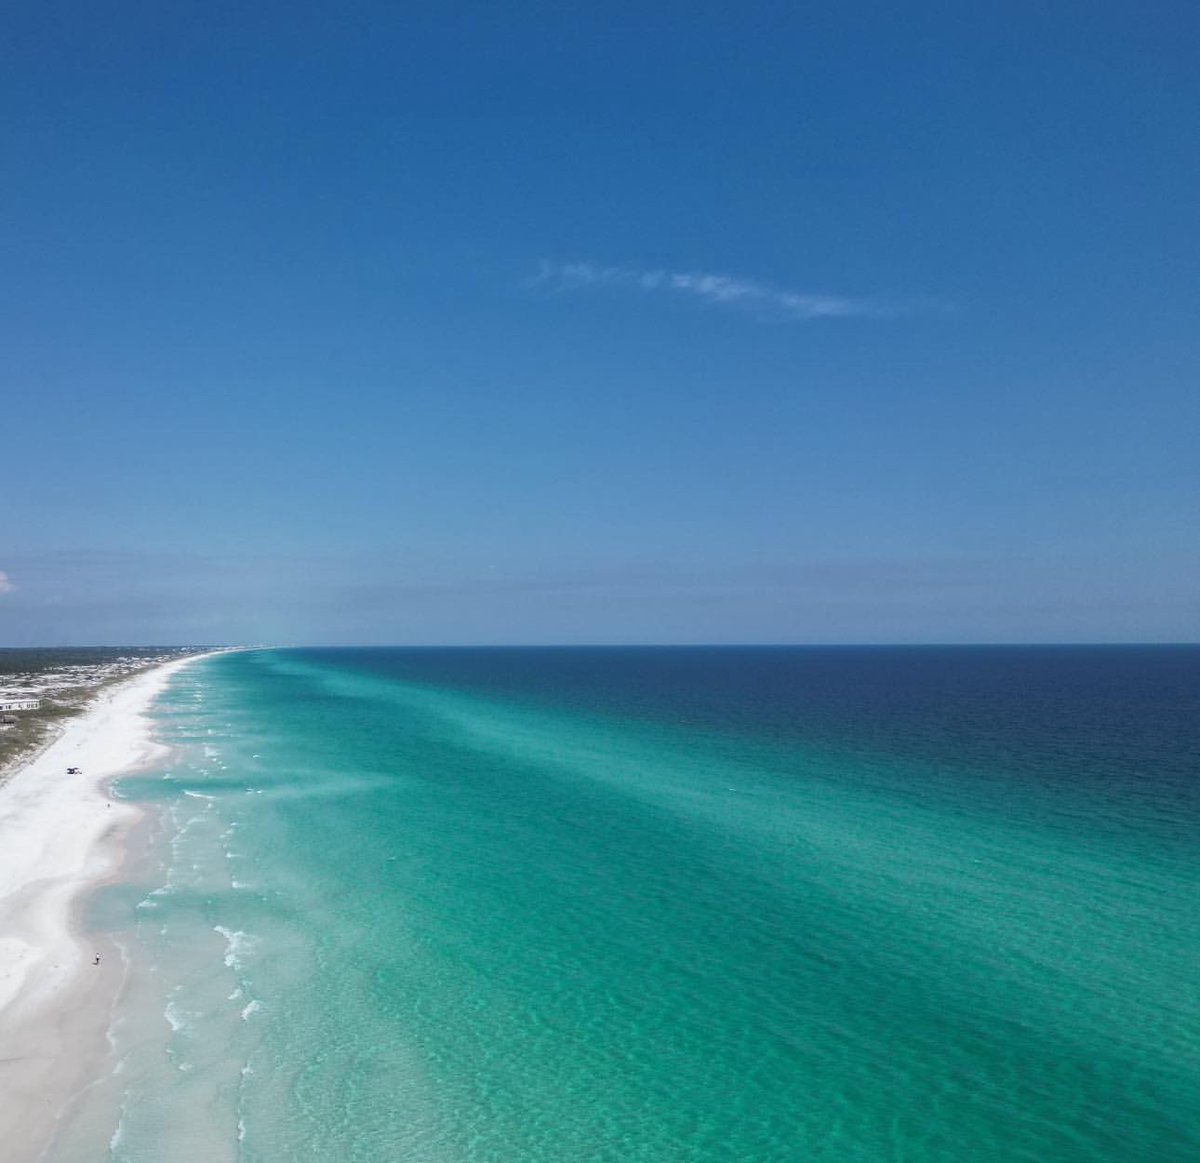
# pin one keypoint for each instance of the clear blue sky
(559, 322)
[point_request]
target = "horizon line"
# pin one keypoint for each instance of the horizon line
(983, 644)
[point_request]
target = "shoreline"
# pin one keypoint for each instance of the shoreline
(62, 837)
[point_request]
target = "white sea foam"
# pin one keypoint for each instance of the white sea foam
(118, 1134)
(252, 1008)
(190, 826)
(176, 1018)
(237, 944)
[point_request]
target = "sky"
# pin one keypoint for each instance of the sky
(599, 323)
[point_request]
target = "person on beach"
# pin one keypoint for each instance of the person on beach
(96, 959)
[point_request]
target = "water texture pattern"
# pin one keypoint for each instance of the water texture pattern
(714, 905)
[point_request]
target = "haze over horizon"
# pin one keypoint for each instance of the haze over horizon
(552, 324)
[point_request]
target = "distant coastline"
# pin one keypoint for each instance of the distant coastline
(63, 682)
(60, 837)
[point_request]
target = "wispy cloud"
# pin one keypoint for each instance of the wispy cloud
(6, 586)
(765, 299)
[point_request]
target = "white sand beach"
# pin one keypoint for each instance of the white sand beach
(60, 837)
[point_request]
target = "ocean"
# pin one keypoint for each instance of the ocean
(649, 904)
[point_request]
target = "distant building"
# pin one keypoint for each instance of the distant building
(19, 703)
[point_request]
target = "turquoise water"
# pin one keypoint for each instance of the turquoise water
(636, 905)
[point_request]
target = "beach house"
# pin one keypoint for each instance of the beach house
(14, 702)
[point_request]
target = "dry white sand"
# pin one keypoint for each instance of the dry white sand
(61, 836)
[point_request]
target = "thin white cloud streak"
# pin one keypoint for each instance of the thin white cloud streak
(6, 586)
(717, 289)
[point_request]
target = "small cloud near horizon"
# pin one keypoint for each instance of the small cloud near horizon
(6, 585)
(716, 289)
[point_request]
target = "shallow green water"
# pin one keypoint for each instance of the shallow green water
(630, 906)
